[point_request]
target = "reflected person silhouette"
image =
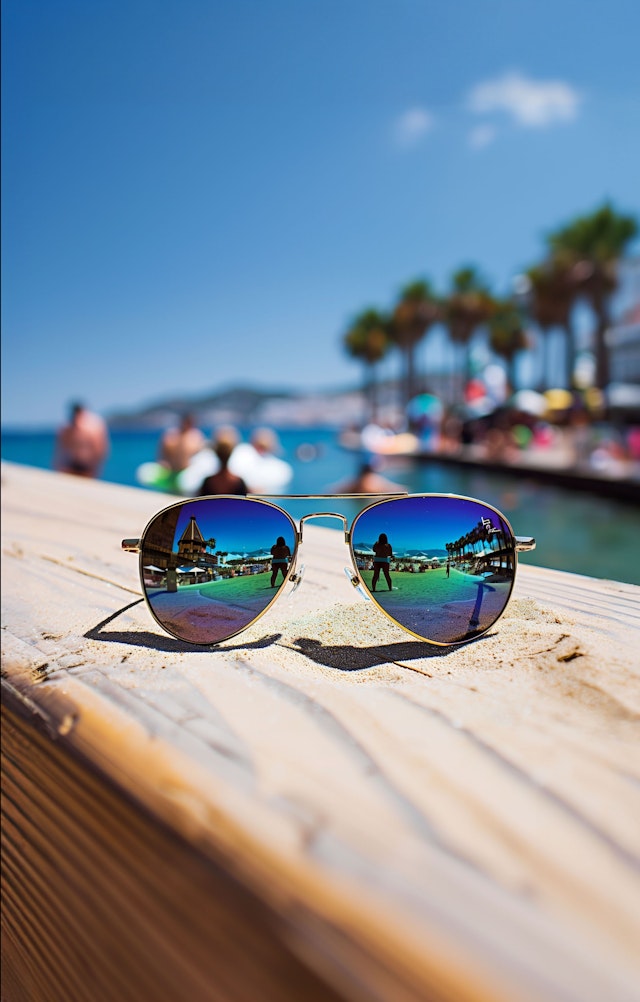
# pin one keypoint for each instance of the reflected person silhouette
(383, 554)
(280, 556)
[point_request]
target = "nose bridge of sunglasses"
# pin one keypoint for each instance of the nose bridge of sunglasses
(357, 583)
(295, 579)
(326, 514)
(349, 571)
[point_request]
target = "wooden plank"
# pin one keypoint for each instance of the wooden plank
(372, 817)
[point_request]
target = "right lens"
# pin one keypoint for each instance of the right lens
(440, 566)
(212, 566)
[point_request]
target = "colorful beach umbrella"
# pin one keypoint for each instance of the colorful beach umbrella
(558, 399)
(530, 402)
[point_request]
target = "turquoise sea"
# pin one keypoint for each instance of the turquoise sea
(575, 531)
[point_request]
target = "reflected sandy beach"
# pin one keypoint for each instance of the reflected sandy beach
(220, 607)
(430, 603)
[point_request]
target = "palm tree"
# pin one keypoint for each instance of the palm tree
(591, 246)
(507, 335)
(468, 305)
(551, 297)
(416, 310)
(367, 339)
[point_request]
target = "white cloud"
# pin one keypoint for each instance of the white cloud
(412, 125)
(481, 136)
(532, 103)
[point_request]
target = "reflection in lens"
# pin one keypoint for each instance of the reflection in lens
(441, 567)
(211, 566)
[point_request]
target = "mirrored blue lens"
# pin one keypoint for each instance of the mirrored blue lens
(211, 566)
(441, 567)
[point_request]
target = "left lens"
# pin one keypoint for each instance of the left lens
(212, 566)
(441, 567)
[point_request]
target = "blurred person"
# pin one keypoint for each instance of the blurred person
(224, 481)
(451, 432)
(180, 444)
(177, 447)
(206, 462)
(82, 445)
(498, 444)
(633, 443)
(259, 466)
(368, 481)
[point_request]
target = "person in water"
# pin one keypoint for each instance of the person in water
(383, 554)
(180, 444)
(82, 445)
(280, 556)
(368, 481)
(224, 481)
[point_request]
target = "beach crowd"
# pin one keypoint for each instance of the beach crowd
(560, 433)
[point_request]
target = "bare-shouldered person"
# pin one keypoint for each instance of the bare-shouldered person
(82, 445)
(179, 445)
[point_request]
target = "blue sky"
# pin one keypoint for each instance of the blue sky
(198, 193)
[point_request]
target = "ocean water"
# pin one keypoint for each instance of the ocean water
(575, 531)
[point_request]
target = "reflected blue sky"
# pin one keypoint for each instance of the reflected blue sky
(237, 525)
(421, 523)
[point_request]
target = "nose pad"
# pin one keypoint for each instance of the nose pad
(357, 583)
(295, 578)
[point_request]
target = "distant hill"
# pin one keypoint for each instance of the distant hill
(243, 405)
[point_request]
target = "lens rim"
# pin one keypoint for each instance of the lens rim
(216, 497)
(372, 595)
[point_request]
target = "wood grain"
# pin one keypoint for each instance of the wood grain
(322, 807)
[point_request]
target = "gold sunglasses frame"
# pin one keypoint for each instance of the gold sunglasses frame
(293, 576)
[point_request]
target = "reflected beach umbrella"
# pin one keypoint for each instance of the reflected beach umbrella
(153, 569)
(364, 548)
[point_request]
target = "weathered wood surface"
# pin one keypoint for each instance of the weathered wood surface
(322, 807)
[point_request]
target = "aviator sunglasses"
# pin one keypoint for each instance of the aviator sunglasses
(440, 566)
